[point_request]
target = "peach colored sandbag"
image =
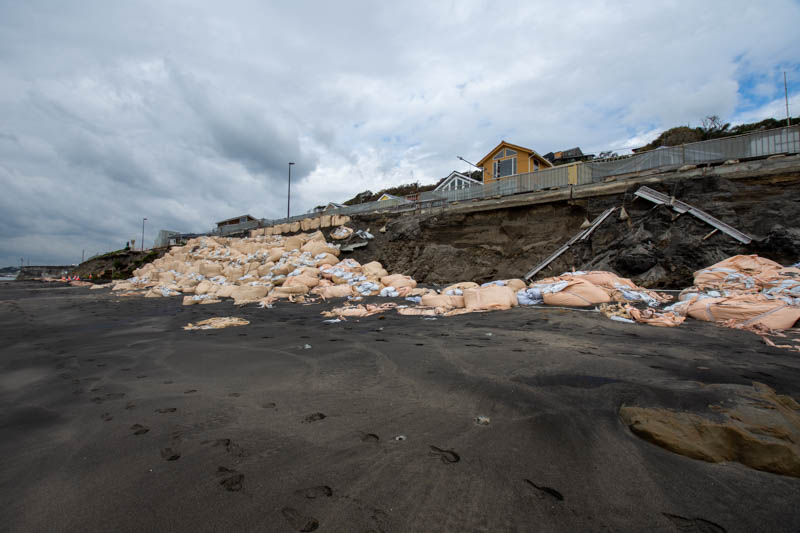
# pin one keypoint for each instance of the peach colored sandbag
(326, 259)
(293, 243)
(714, 277)
(492, 297)
(275, 254)
(374, 270)
(460, 286)
(578, 293)
(302, 279)
(443, 300)
(316, 236)
(397, 281)
(601, 278)
(225, 291)
(316, 247)
(248, 293)
(746, 310)
(286, 292)
(334, 291)
(342, 232)
(516, 284)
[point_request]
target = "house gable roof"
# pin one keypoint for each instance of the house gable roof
(387, 196)
(456, 175)
(504, 144)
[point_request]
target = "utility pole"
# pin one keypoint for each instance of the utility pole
(143, 233)
(289, 194)
(83, 253)
(786, 97)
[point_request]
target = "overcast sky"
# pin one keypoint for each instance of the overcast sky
(188, 112)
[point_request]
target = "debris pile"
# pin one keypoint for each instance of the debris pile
(746, 292)
(217, 323)
(264, 269)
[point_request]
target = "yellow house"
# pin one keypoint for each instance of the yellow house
(386, 196)
(508, 160)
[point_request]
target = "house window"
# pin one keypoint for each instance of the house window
(535, 165)
(506, 167)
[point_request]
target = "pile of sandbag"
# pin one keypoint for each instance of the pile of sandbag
(583, 289)
(746, 292)
(262, 269)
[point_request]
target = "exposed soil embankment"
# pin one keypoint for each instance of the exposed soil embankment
(654, 246)
(117, 265)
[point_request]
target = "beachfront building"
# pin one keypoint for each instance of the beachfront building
(386, 196)
(508, 159)
(456, 181)
(234, 221)
(564, 157)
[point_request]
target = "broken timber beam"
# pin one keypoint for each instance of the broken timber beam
(681, 207)
(580, 236)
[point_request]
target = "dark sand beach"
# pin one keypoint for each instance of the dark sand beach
(114, 418)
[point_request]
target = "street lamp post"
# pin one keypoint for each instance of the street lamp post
(143, 233)
(289, 194)
(467, 162)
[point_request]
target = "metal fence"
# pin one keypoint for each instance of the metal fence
(784, 140)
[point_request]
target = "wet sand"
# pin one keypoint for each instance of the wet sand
(116, 419)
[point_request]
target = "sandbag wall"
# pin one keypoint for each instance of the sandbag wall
(307, 224)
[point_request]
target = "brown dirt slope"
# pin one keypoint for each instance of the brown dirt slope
(117, 265)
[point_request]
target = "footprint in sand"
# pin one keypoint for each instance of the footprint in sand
(269, 405)
(314, 417)
(694, 524)
(298, 520)
(320, 491)
(446, 456)
(190, 391)
(545, 491)
(232, 480)
(235, 394)
(106, 417)
(139, 429)
(142, 376)
(166, 410)
(168, 382)
(130, 405)
(370, 437)
(169, 454)
(230, 446)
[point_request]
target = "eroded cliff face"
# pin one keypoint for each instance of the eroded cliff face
(654, 246)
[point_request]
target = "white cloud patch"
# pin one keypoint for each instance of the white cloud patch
(188, 112)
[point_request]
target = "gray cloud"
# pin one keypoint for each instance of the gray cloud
(187, 112)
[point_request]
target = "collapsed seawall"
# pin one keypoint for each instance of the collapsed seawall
(651, 244)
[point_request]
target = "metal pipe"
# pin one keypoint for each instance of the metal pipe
(143, 233)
